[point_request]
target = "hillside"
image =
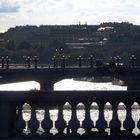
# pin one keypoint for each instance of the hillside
(103, 41)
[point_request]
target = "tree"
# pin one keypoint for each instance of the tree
(10, 45)
(59, 45)
(24, 45)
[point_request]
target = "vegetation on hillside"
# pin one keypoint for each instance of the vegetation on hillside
(108, 40)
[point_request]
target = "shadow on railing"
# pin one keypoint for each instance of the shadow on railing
(88, 115)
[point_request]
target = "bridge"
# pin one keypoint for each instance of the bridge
(48, 76)
(48, 114)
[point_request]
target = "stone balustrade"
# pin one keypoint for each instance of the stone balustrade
(70, 115)
(92, 114)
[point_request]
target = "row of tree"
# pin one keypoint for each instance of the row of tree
(57, 48)
(124, 41)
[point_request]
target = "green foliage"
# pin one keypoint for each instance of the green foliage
(24, 46)
(10, 45)
(124, 40)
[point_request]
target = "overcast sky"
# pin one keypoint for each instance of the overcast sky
(38, 12)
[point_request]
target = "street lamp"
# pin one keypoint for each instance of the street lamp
(133, 59)
(59, 55)
(112, 64)
(54, 61)
(7, 62)
(91, 58)
(24, 59)
(80, 61)
(28, 59)
(61, 52)
(69, 61)
(36, 59)
(63, 58)
(117, 59)
(56, 50)
(2, 62)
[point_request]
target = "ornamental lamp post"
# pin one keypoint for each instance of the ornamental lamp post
(61, 52)
(54, 61)
(7, 62)
(117, 59)
(2, 62)
(133, 59)
(91, 58)
(69, 60)
(28, 59)
(56, 51)
(24, 59)
(59, 55)
(80, 61)
(36, 59)
(63, 58)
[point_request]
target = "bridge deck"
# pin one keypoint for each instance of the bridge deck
(48, 76)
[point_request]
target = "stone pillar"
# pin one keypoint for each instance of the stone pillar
(7, 118)
(46, 85)
(133, 83)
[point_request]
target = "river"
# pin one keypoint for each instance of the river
(66, 84)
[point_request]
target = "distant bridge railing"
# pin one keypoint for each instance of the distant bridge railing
(39, 66)
(48, 66)
(70, 115)
(64, 61)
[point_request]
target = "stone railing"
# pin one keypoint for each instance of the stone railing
(67, 115)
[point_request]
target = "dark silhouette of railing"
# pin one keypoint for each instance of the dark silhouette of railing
(105, 103)
(62, 61)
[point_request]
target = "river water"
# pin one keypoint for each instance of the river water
(66, 84)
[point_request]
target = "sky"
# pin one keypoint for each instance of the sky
(64, 12)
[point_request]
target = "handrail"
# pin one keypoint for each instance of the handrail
(12, 123)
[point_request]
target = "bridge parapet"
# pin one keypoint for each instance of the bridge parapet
(66, 115)
(47, 77)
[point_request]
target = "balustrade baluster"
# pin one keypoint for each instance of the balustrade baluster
(67, 115)
(108, 115)
(26, 115)
(122, 113)
(81, 112)
(54, 117)
(94, 115)
(40, 115)
(135, 113)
